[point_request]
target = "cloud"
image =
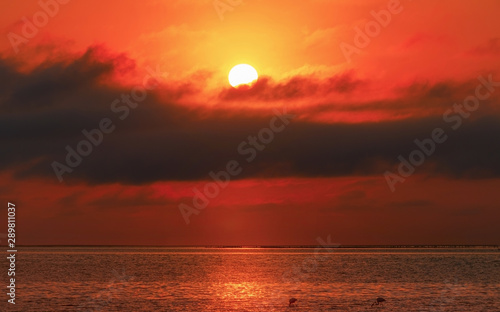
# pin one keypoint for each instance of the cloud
(491, 47)
(411, 204)
(46, 109)
(298, 87)
(323, 36)
(419, 40)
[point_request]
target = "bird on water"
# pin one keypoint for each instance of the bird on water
(378, 301)
(291, 302)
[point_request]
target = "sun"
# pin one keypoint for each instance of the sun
(242, 74)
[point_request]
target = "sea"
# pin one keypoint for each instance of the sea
(255, 279)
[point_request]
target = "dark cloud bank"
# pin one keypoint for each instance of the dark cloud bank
(44, 111)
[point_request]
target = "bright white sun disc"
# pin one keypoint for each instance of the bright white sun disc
(242, 74)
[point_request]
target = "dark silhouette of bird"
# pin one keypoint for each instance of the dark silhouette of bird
(291, 302)
(378, 301)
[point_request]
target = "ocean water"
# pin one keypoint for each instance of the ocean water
(241, 279)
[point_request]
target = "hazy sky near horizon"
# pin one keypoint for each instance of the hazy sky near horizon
(360, 92)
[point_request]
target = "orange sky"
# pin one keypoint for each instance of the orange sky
(323, 174)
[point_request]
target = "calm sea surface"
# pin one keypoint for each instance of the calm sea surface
(212, 279)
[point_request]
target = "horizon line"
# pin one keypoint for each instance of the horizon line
(280, 246)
